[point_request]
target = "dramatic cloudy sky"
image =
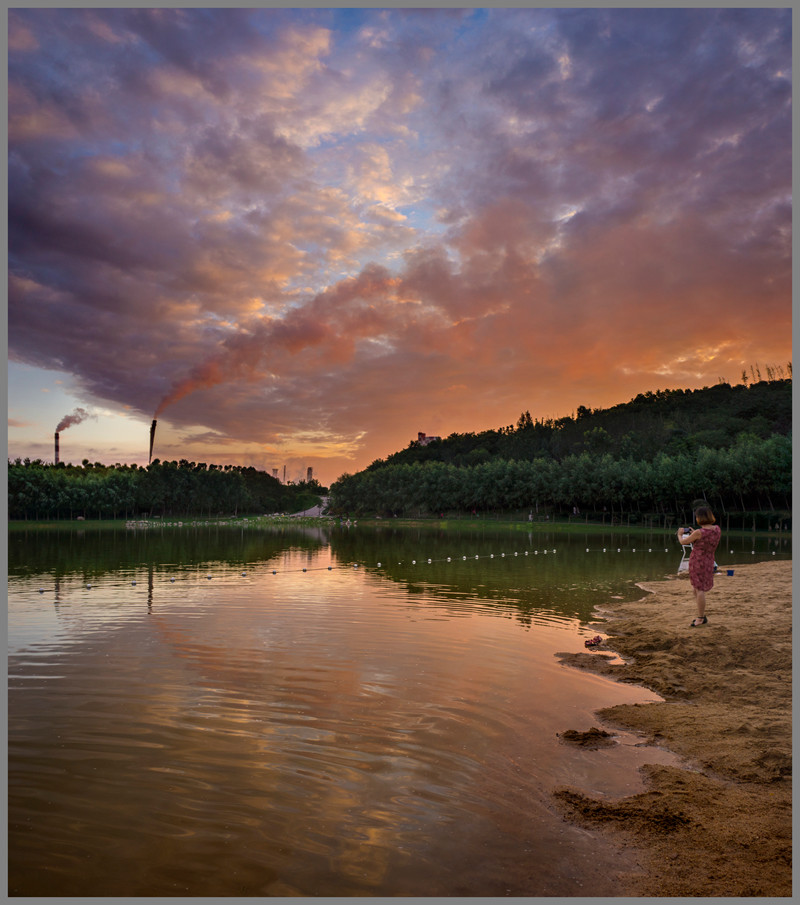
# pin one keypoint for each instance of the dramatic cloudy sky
(301, 236)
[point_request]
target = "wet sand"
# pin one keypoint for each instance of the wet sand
(722, 826)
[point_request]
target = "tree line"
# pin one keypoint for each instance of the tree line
(754, 474)
(39, 490)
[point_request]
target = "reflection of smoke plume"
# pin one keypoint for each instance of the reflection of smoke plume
(152, 438)
(75, 418)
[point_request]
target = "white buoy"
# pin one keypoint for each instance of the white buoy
(379, 565)
(88, 586)
(476, 556)
(243, 574)
(172, 579)
(133, 582)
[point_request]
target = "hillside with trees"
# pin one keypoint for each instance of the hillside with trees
(642, 461)
(671, 422)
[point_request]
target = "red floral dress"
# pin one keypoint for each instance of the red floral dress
(701, 560)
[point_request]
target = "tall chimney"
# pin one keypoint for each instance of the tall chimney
(309, 475)
(152, 438)
(56, 447)
(284, 474)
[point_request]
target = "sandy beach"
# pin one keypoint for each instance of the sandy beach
(721, 826)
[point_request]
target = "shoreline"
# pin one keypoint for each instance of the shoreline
(255, 521)
(722, 826)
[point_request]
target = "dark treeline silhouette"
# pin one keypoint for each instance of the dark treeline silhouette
(643, 461)
(39, 490)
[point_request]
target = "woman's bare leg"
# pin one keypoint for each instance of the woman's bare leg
(700, 599)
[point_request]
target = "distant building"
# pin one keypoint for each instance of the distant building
(423, 439)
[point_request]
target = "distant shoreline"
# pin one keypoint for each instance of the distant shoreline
(566, 526)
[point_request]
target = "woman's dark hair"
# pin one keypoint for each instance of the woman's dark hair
(704, 515)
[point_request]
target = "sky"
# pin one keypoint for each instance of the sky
(298, 237)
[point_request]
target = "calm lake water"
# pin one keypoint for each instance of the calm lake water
(232, 711)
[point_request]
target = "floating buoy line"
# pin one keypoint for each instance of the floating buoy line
(416, 562)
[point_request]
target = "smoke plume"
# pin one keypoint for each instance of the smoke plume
(207, 375)
(75, 418)
(331, 319)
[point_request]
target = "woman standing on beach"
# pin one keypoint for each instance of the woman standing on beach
(701, 560)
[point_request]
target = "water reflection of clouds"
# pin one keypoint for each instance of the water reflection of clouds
(367, 724)
(335, 731)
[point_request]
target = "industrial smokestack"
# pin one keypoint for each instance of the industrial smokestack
(152, 438)
(67, 421)
(309, 474)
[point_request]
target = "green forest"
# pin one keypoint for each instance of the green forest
(38, 490)
(642, 462)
